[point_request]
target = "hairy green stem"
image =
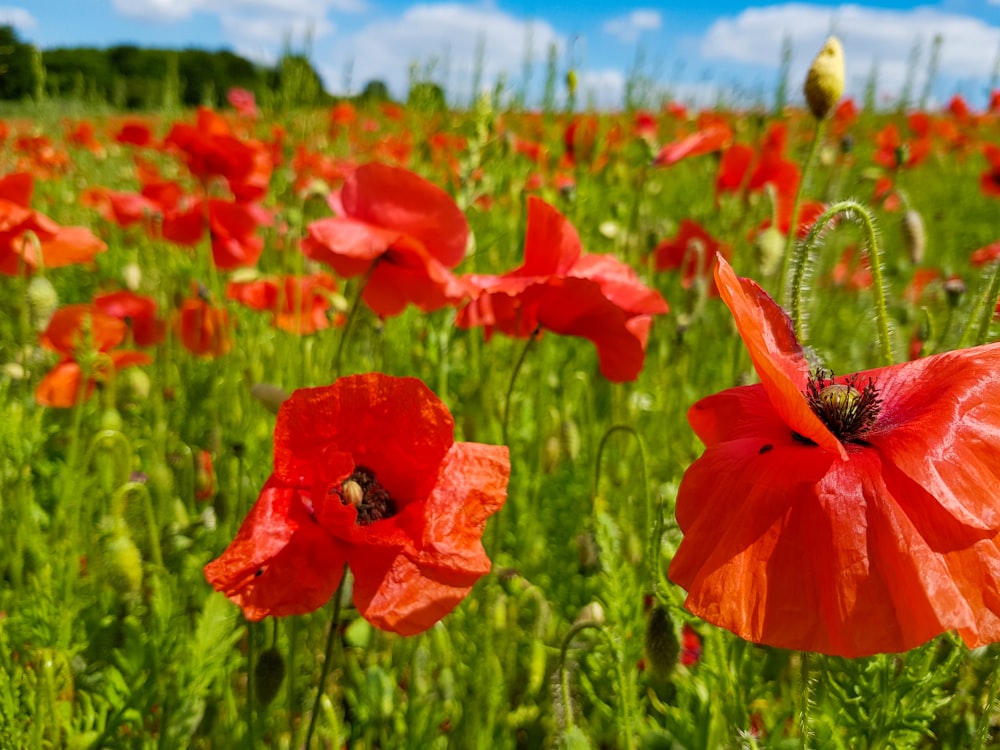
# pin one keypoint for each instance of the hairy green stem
(978, 328)
(349, 324)
(858, 211)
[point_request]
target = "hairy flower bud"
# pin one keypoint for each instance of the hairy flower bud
(914, 236)
(825, 80)
(662, 645)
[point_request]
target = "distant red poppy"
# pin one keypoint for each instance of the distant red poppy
(137, 311)
(211, 150)
(402, 231)
(989, 181)
(24, 232)
(202, 328)
(366, 474)
(300, 304)
(243, 101)
(134, 133)
(564, 290)
(843, 515)
(82, 334)
(715, 137)
(690, 646)
(894, 153)
(692, 252)
(985, 255)
(204, 476)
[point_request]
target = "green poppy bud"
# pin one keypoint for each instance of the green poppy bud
(914, 236)
(662, 645)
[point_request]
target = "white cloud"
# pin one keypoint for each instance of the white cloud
(19, 18)
(442, 39)
(604, 89)
(870, 36)
(628, 27)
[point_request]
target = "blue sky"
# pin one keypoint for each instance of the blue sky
(696, 50)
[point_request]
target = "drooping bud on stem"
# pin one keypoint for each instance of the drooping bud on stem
(825, 80)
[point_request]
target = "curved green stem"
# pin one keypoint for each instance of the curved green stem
(793, 222)
(504, 439)
(327, 658)
(804, 701)
(858, 211)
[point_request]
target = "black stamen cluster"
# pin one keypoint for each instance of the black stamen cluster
(849, 409)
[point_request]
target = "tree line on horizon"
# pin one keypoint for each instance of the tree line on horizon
(130, 77)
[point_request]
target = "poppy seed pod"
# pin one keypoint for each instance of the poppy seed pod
(825, 80)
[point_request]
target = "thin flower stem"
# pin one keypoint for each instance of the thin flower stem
(328, 657)
(496, 522)
(653, 523)
(251, 686)
(983, 313)
(793, 222)
(504, 439)
(858, 211)
(349, 324)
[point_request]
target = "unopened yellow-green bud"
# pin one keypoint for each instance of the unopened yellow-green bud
(825, 80)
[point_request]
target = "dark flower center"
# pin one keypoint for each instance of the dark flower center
(363, 491)
(850, 410)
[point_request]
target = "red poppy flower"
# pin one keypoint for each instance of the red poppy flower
(402, 230)
(202, 328)
(562, 289)
(693, 250)
(134, 133)
(300, 304)
(690, 646)
(204, 476)
(137, 311)
(81, 333)
(715, 137)
(893, 152)
(985, 255)
(989, 181)
(367, 474)
(849, 516)
(24, 232)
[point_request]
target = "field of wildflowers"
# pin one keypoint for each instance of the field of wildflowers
(374, 428)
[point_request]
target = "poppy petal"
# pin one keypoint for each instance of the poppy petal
(281, 562)
(777, 356)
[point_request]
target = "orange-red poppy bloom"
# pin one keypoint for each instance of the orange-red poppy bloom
(366, 474)
(83, 334)
(137, 311)
(299, 304)
(692, 252)
(714, 137)
(851, 515)
(402, 231)
(989, 180)
(564, 290)
(24, 232)
(202, 328)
